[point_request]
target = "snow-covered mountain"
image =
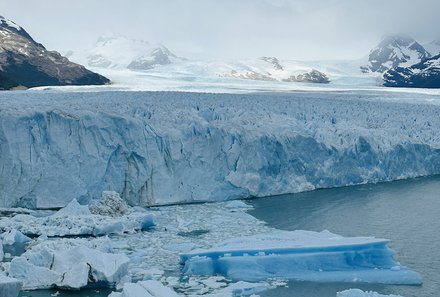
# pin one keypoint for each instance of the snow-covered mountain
(433, 47)
(120, 52)
(425, 74)
(272, 69)
(24, 62)
(395, 51)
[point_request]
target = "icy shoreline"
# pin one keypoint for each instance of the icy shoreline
(196, 234)
(157, 148)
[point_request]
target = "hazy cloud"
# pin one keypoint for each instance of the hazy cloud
(295, 29)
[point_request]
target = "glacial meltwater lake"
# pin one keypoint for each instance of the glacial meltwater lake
(407, 212)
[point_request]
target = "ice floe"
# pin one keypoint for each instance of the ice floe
(360, 293)
(9, 287)
(13, 237)
(73, 268)
(148, 288)
(301, 255)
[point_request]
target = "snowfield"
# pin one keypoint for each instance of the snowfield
(156, 148)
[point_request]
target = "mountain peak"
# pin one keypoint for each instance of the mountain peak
(120, 52)
(6, 22)
(397, 40)
(24, 62)
(395, 51)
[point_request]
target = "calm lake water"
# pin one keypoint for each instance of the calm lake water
(407, 212)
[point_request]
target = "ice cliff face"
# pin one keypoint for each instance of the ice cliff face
(162, 148)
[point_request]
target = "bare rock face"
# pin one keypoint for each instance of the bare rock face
(159, 56)
(274, 61)
(24, 62)
(313, 76)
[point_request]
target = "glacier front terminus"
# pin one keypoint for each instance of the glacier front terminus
(157, 148)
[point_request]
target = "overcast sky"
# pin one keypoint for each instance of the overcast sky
(290, 29)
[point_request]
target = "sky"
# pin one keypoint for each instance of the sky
(230, 29)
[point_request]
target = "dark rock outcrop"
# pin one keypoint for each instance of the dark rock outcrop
(425, 74)
(313, 76)
(24, 62)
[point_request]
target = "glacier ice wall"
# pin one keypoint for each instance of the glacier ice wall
(168, 147)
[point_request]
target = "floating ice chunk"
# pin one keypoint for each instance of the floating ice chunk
(9, 287)
(116, 227)
(237, 204)
(110, 204)
(73, 268)
(360, 293)
(241, 289)
(301, 255)
(102, 267)
(147, 222)
(148, 288)
(73, 209)
(13, 237)
(157, 289)
(33, 277)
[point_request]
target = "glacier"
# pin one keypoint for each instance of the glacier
(301, 255)
(159, 148)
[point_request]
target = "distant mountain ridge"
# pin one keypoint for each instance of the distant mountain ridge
(24, 62)
(120, 52)
(272, 69)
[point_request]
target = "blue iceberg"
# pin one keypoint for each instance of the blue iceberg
(301, 255)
